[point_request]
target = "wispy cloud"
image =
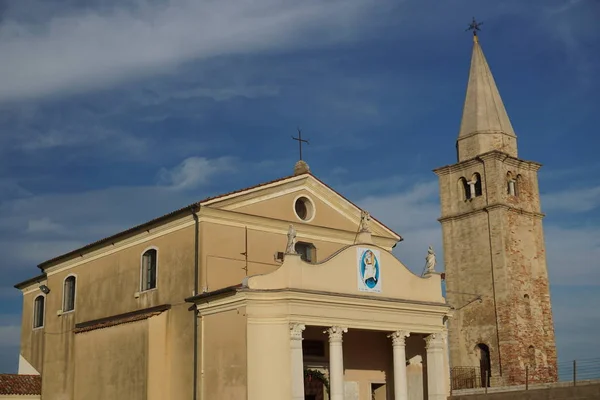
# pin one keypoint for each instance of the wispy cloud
(194, 171)
(575, 200)
(77, 51)
(43, 225)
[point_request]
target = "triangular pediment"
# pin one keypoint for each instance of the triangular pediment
(277, 200)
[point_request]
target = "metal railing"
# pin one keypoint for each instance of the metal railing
(579, 370)
(570, 373)
(466, 378)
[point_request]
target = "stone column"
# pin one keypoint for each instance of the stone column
(336, 362)
(436, 378)
(399, 348)
(297, 361)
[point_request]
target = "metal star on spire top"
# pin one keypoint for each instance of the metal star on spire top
(474, 26)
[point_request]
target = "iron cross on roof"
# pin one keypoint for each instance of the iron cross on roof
(474, 26)
(300, 141)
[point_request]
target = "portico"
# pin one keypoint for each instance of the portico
(367, 330)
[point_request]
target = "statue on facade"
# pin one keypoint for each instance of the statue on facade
(290, 248)
(365, 218)
(430, 261)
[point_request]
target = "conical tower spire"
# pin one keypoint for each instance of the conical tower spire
(485, 125)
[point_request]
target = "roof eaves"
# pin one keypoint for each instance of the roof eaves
(120, 319)
(400, 238)
(225, 290)
(35, 279)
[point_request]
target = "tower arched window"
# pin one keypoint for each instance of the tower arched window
(464, 189)
(69, 293)
(38, 311)
(149, 266)
(477, 183)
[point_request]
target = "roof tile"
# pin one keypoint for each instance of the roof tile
(20, 384)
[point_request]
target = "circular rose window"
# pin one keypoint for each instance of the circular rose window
(304, 208)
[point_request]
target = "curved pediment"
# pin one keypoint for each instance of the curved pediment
(360, 269)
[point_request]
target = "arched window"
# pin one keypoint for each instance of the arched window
(485, 364)
(464, 189)
(149, 263)
(38, 311)
(477, 181)
(69, 294)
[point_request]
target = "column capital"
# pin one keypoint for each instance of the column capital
(434, 340)
(296, 331)
(335, 333)
(399, 337)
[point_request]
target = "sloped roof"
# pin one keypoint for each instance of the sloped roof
(126, 318)
(20, 384)
(145, 225)
(186, 209)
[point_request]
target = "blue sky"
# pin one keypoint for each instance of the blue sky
(120, 111)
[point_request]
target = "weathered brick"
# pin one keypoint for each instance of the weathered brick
(494, 248)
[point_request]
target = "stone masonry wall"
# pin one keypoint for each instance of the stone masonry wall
(494, 247)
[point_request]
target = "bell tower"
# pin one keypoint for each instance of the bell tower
(494, 251)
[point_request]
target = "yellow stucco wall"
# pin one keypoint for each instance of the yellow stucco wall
(32, 340)
(224, 355)
(112, 363)
(282, 208)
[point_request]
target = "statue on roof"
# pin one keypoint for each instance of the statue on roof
(290, 248)
(430, 261)
(365, 218)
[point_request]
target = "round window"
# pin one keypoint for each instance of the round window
(304, 208)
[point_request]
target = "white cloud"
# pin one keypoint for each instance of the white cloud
(44, 224)
(222, 94)
(194, 171)
(573, 254)
(575, 200)
(87, 49)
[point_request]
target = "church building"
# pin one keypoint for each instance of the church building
(288, 290)
(285, 290)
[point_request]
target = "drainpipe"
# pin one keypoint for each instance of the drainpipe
(194, 210)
